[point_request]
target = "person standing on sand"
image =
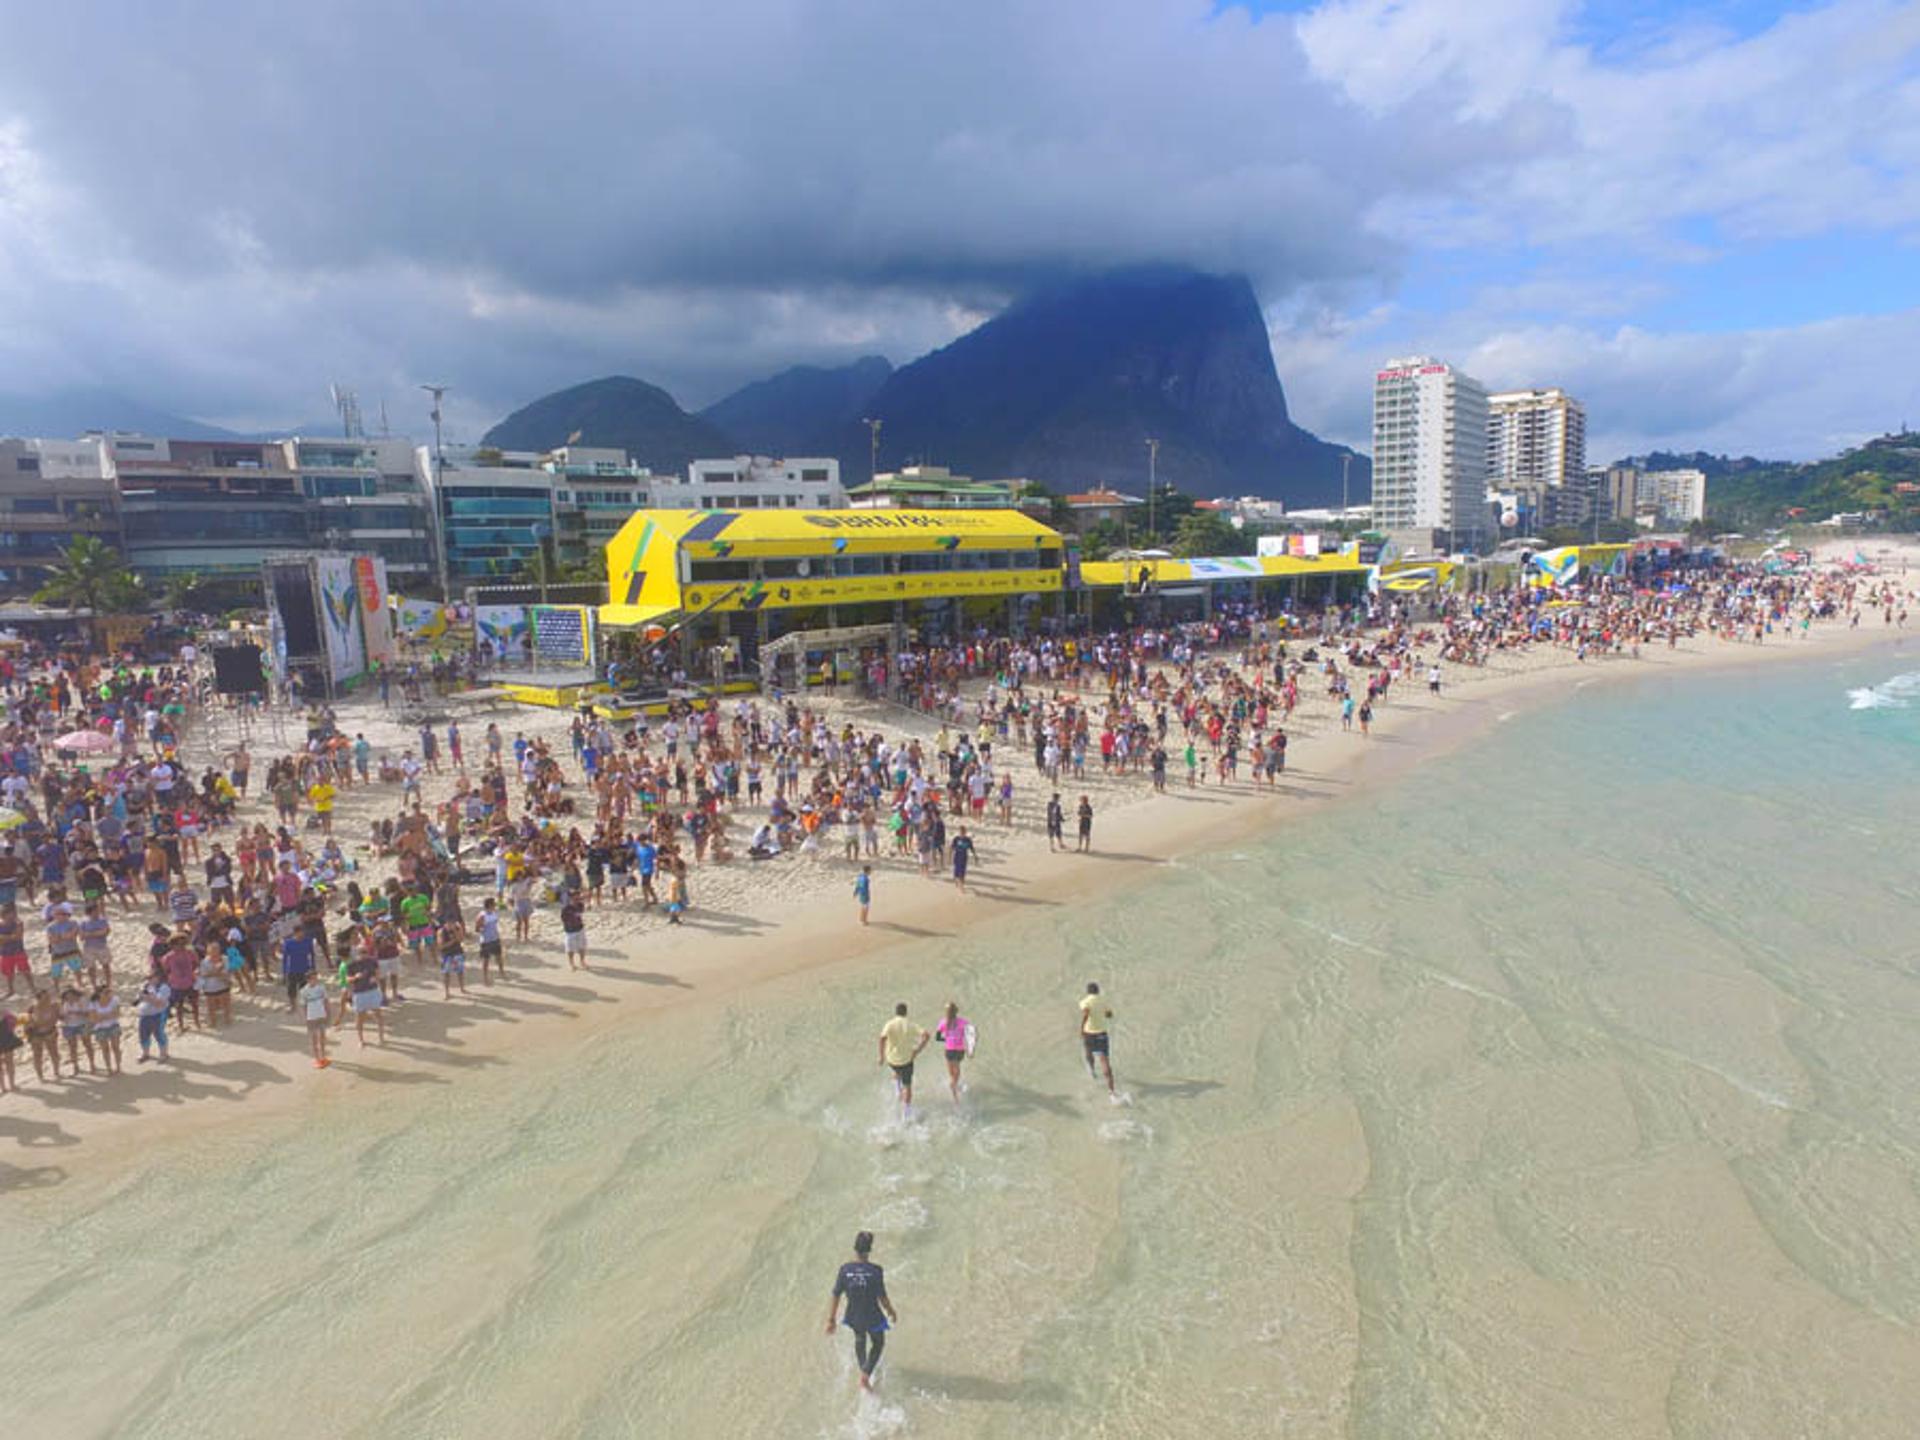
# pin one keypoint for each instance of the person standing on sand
(1056, 824)
(1086, 825)
(901, 1042)
(492, 953)
(151, 1013)
(1096, 1015)
(363, 986)
(573, 924)
(962, 848)
(313, 1004)
(863, 891)
(869, 1312)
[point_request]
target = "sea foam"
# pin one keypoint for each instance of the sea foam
(1895, 694)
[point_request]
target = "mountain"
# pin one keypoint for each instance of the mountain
(1066, 386)
(1710, 465)
(67, 414)
(1882, 475)
(800, 410)
(617, 411)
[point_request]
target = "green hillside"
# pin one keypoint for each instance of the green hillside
(1868, 478)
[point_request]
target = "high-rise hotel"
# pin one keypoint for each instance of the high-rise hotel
(1536, 438)
(1430, 454)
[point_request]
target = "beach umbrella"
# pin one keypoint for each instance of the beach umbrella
(11, 819)
(84, 742)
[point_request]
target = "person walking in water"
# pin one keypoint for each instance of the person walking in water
(901, 1042)
(863, 1285)
(1095, 1016)
(955, 1033)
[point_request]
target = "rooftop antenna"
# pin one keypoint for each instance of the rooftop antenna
(348, 404)
(385, 432)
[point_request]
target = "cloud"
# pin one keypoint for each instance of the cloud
(222, 207)
(1812, 123)
(1793, 392)
(1788, 392)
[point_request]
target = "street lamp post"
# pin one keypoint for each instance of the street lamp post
(435, 490)
(1153, 470)
(540, 539)
(1346, 461)
(873, 449)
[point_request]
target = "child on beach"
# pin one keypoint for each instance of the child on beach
(314, 1006)
(863, 891)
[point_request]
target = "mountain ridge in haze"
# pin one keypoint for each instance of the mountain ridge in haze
(1067, 386)
(802, 409)
(1064, 387)
(617, 411)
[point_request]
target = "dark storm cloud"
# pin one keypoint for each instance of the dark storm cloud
(517, 195)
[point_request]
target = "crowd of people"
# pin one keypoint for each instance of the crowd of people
(257, 892)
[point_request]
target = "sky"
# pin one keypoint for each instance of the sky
(1702, 220)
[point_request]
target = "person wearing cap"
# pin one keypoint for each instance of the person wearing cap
(863, 1285)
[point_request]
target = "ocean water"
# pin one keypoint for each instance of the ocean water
(1564, 1088)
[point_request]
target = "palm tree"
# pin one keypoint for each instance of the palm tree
(91, 575)
(178, 591)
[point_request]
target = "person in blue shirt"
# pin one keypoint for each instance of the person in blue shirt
(646, 858)
(296, 963)
(863, 891)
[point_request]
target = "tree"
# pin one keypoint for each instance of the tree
(542, 567)
(1206, 532)
(91, 575)
(179, 591)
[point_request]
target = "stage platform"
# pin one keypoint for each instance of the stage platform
(553, 689)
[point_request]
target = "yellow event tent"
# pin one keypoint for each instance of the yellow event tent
(665, 564)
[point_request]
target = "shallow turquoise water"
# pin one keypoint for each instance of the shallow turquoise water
(1562, 1089)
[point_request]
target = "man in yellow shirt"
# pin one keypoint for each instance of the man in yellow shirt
(901, 1041)
(321, 793)
(1095, 1015)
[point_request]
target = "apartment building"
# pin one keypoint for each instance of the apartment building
(210, 507)
(1430, 454)
(365, 495)
(753, 482)
(51, 493)
(1535, 438)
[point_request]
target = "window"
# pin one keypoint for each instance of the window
(707, 572)
(814, 476)
(28, 463)
(861, 565)
(25, 506)
(333, 487)
(719, 477)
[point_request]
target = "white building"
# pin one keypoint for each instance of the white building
(1672, 497)
(753, 482)
(1536, 438)
(1430, 453)
(366, 497)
